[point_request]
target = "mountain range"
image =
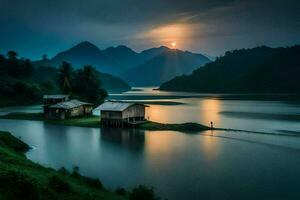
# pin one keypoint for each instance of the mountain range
(257, 70)
(149, 67)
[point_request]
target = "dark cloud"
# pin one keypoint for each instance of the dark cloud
(36, 26)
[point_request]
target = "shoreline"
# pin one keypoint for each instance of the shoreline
(94, 122)
(22, 178)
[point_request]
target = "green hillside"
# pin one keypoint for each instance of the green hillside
(21, 178)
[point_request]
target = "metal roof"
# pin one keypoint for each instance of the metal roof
(69, 104)
(55, 96)
(116, 105)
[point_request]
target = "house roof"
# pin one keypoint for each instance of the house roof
(69, 104)
(55, 96)
(116, 105)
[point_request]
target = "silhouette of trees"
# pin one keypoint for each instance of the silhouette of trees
(87, 85)
(83, 83)
(65, 75)
(257, 70)
(21, 83)
(143, 193)
(44, 57)
(12, 55)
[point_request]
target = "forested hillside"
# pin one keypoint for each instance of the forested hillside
(23, 82)
(257, 70)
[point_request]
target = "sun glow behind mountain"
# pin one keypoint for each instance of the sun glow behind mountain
(169, 35)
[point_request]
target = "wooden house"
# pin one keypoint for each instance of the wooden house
(49, 100)
(117, 113)
(68, 109)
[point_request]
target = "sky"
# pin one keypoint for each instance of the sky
(37, 27)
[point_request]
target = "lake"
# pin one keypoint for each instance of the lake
(206, 165)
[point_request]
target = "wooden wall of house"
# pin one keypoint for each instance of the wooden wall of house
(75, 112)
(88, 109)
(55, 114)
(111, 115)
(134, 111)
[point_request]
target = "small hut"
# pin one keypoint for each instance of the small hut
(118, 113)
(49, 100)
(69, 109)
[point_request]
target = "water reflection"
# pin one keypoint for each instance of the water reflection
(132, 139)
(209, 111)
(209, 145)
(180, 166)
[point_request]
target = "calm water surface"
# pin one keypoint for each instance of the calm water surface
(207, 165)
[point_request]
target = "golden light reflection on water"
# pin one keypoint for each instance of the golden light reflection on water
(161, 144)
(204, 111)
(161, 147)
(210, 145)
(209, 111)
(155, 113)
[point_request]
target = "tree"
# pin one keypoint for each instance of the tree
(65, 74)
(12, 55)
(45, 57)
(2, 59)
(87, 86)
(2, 65)
(27, 68)
(143, 193)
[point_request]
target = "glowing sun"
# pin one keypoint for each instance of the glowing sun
(173, 44)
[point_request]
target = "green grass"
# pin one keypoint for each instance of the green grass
(8, 141)
(21, 178)
(89, 121)
(185, 127)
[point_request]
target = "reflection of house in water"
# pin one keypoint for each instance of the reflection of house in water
(118, 113)
(131, 138)
(60, 107)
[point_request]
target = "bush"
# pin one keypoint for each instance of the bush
(121, 191)
(59, 185)
(142, 193)
(75, 172)
(15, 186)
(7, 140)
(95, 183)
(64, 171)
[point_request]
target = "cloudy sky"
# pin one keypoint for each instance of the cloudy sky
(35, 27)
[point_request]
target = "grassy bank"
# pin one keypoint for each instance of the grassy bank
(90, 121)
(94, 122)
(21, 178)
(185, 127)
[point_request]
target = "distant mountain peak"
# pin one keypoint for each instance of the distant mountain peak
(119, 60)
(85, 45)
(163, 47)
(122, 47)
(119, 48)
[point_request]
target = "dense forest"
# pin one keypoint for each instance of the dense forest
(257, 70)
(22, 83)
